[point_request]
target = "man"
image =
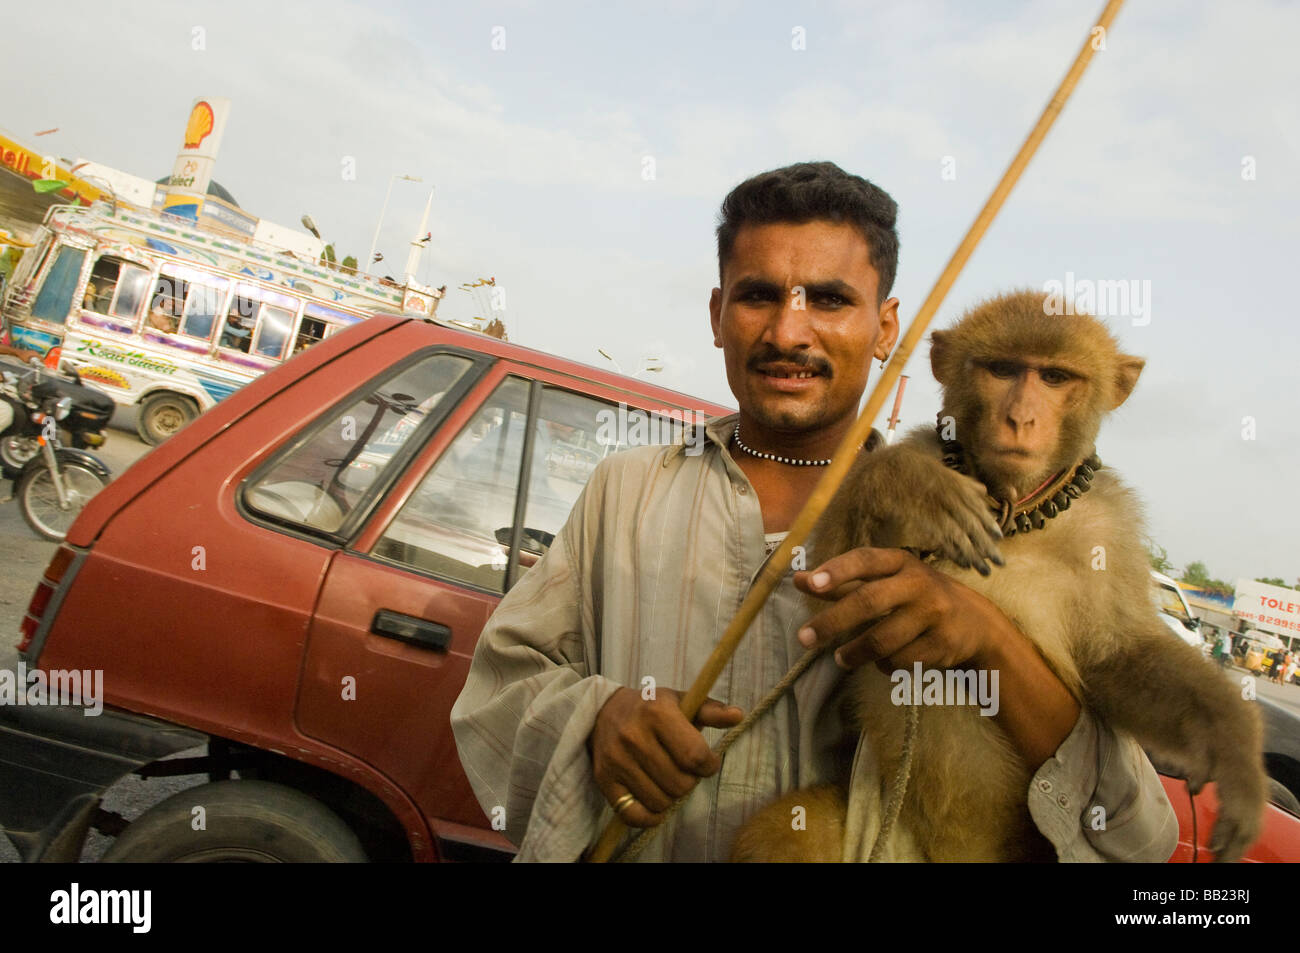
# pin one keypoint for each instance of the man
(570, 709)
(234, 334)
(162, 316)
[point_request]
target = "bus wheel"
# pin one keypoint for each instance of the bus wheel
(162, 415)
(238, 822)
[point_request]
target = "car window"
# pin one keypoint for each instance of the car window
(459, 522)
(325, 475)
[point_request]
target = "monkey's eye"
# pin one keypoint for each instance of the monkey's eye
(1054, 376)
(1003, 369)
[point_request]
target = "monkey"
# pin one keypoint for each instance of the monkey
(1011, 478)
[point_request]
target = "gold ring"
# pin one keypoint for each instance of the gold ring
(627, 799)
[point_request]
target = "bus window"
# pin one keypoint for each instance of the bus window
(237, 332)
(259, 321)
(54, 299)
(167, 304)
(202, 307)
(112, 278)
(132, 288)
(273, 331)
(311, 331)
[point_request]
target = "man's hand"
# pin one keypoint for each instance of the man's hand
(650, 750)
(906, 612)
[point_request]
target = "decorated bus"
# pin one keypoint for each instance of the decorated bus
(173, 318)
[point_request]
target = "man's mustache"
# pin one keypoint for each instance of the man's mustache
(771, 355)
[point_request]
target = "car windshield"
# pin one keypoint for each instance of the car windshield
(1167, 600)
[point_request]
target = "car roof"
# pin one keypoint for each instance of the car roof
(486, 344)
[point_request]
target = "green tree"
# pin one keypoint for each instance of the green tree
(1159, 558)
(327, 256)
(350, 264)
(1274, 581)
(1196, 574)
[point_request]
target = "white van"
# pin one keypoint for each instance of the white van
(1174, 610)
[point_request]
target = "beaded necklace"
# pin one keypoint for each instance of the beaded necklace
(1045, 503)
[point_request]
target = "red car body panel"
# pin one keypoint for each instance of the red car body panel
(1279, 839)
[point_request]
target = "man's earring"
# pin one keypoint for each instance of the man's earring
(882, 361)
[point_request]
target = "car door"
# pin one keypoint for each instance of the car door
(403, 604)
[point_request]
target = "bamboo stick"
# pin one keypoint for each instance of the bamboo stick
(774, 569)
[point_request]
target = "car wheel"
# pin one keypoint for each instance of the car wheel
(163, 415)
(1281, 795)
(238, 822)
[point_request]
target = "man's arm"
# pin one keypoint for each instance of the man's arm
(522, 720)
(1080, 764)
(543, 728)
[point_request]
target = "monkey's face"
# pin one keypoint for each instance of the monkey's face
(798, 323)
(1030, 419)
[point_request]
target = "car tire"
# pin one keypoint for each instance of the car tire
(241, 821)
(1283, 797)
(162, 415)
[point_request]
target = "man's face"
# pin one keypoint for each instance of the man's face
(798, 323)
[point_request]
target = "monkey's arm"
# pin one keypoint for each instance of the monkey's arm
(903, 496)
(1192, 719)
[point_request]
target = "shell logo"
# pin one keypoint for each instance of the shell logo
(200, 125)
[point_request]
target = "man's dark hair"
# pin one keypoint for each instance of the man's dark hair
(806, 192)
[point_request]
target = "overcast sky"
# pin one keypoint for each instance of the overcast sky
(1176, 163)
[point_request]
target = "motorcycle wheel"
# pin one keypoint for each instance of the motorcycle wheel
(16, 450)
(39, 501)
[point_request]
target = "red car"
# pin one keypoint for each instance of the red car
(292, 587)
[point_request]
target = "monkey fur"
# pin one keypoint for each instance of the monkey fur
(1096, 628)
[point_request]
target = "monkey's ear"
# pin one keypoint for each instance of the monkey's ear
(938, 351)
(1126, 377)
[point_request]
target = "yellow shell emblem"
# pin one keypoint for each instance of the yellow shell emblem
(200, 124)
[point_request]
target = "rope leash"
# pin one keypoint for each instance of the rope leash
(902, 776)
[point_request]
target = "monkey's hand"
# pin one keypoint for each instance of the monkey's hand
(901, 497)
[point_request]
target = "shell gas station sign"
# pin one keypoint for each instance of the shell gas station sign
(1270, 608)
(192, 172)
(30, 164)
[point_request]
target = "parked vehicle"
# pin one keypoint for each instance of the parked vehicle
(289, 592)
(52, 483)
(1175, 612)
(173, 318)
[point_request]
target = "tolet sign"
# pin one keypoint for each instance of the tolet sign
(1271, 608)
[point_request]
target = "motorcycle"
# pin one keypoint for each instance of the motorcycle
(52, 482)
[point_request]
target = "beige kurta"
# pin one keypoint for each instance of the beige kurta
(656, 557)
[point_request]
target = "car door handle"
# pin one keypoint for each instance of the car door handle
(407, 628)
